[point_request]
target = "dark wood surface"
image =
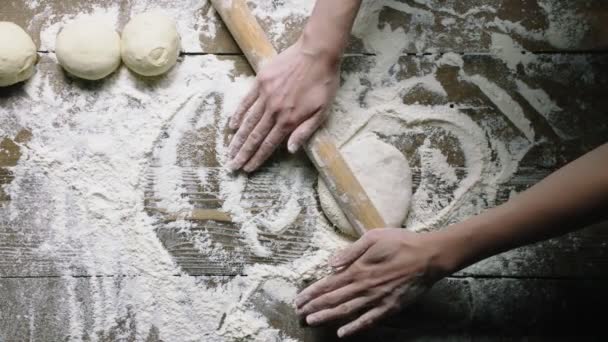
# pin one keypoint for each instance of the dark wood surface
(553, 290)
(456, 308)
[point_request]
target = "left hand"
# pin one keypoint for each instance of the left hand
(289, 99)
(378, 274)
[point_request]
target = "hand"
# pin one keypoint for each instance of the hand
(291, 95)
(379, 273)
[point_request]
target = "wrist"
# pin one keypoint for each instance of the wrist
(314, 44)
(452, 250)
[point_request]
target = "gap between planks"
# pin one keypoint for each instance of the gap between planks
(411, 54)
(452, 277)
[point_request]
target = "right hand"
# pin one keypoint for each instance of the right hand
(375, 276)
(290, 97)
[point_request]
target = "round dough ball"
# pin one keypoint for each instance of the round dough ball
(383, 172)
(17, 54)
(150, 44)
(88, 49)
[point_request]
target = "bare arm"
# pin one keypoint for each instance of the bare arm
(292, 92)
(569, 199)
(387, 268)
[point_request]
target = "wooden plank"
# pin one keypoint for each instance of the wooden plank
(51, 309)
(430, 26)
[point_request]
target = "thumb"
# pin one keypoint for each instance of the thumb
(304, 131)
(351, 253)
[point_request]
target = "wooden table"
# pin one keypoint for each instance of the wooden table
(551, 290)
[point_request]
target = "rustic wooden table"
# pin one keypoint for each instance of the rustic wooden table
(548, 291)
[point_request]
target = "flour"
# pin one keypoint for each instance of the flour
(283, 14)
(543, 104)
(504, 102)
(565, 30)
(510, 52)
(83, 177)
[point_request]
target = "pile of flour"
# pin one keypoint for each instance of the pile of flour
(91, 145)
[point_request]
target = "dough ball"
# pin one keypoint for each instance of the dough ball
(383, 172)
(88, 49)
(17, 54)
(150, 44)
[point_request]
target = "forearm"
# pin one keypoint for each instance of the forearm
(328, 29)
(569, 199)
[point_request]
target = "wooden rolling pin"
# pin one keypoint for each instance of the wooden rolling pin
(321, 149)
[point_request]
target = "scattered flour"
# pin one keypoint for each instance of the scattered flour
(84, 170)
(504, 102)
(509, 51)
(543, 104)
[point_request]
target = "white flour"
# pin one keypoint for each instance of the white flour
(93, 145)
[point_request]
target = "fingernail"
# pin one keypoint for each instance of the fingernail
(299, 301)
(232, 166)
(312, 319)
(334, 262)
(292, 147)
(341, 332)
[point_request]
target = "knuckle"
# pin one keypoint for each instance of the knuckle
(366, 322)
(372, 235)
(247, 149)
(345, 309)
(255, 136)
(362, 276)
(273, 107)
(367, 281)
(237, 140)
(312, 306)
(288, 122)
(239, 160)
(264, 78)
(268, 145)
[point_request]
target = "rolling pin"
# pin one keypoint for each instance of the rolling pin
(321, 149)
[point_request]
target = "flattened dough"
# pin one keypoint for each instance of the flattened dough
(383, 172)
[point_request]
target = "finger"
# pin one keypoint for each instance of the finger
(245, 104)
(351, 253)
(349, 299)
(304, 131)
(340, 311)
(330, 299)
(251, 120)
(364, 321)
(253, 141)
(322, 286)
(272, 141)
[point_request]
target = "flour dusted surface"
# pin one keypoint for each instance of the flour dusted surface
(83, 171)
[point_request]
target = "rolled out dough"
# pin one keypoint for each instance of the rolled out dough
(383, 172)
